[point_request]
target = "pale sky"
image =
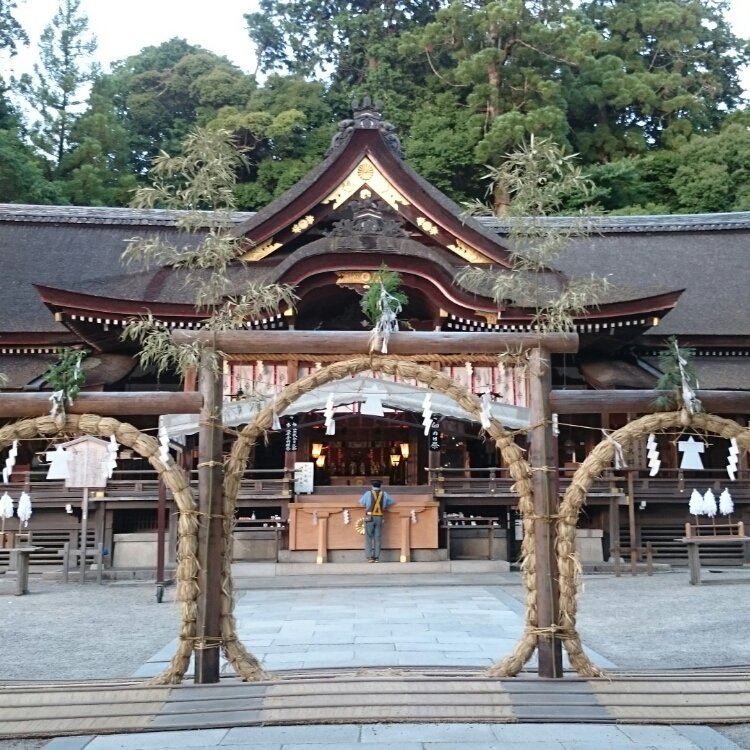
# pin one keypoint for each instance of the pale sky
(124, 27)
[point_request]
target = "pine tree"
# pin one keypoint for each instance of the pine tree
(56, 89)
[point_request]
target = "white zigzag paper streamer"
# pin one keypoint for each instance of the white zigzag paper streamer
(164, 454)
(427, 413)
(10, 462)
(653, 455)
(111, 463)
(734, 452)
(330, 422)
(485, 416)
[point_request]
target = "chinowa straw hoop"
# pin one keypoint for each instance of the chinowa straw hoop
(247, 666)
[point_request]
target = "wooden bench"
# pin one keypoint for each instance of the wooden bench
(617, 552)
(95, 555)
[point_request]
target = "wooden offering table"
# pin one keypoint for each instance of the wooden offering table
(329, 522)
(727, 533)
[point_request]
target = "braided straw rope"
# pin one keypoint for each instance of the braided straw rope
(174, 478)
(247, 666)
(596, 462)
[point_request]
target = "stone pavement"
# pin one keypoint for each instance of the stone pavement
(419, 625)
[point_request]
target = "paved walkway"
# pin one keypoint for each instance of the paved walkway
(392, 626)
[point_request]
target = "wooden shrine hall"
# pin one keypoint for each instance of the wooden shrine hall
(362, 208)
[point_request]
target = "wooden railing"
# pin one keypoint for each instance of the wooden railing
(497, 483)
(144, 485)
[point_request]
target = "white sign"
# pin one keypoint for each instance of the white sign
(304, 472)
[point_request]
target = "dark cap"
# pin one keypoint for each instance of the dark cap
(375, 483)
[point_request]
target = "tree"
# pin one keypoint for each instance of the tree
(285, 126)
(661, 71)
(99, 169)
(504, 62)
(55, 89)
(11, 32)
(163, 92)
(22, 177)
(355, 47)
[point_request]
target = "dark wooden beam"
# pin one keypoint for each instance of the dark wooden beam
(358, 342)
(549, 646)
(111, 404)
(597, 402)
(210, 526)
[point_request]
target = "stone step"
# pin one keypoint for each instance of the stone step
(261, 569)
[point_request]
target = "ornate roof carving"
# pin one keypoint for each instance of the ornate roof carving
(366, 115)
(368, 217)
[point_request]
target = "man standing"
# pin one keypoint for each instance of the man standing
(374, 501)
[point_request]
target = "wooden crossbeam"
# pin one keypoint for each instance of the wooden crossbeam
(111, 404)
(637, 401)
(358, 342)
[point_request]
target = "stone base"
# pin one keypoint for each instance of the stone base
(348, 556)
(137, 550)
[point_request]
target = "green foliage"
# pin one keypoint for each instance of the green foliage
(678, 378)
(66, 378)
(373, 299)
(661, 70)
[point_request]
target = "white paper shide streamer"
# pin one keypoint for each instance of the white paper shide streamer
(427, 413)
(732, 459)
(6, 506)
(328, 413)
(164, 454)
(10, 462)
(389, 308)
(620, 462)
(111, 462)
(485, 415)
(653, 455)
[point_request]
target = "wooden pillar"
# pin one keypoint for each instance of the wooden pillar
(210, 544)
(322, 538)
(405, 538)
(545, 506)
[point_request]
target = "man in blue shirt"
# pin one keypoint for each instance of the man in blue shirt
(374, 501)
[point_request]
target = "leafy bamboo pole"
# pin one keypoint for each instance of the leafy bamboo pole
(536, 179)
(201, 183)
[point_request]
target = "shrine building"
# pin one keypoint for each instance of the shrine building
(361, 209)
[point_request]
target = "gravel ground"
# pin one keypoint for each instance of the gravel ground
(77, 632)
(68, 632)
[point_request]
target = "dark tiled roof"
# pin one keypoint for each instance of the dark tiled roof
(80, 248)
(710, 265)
